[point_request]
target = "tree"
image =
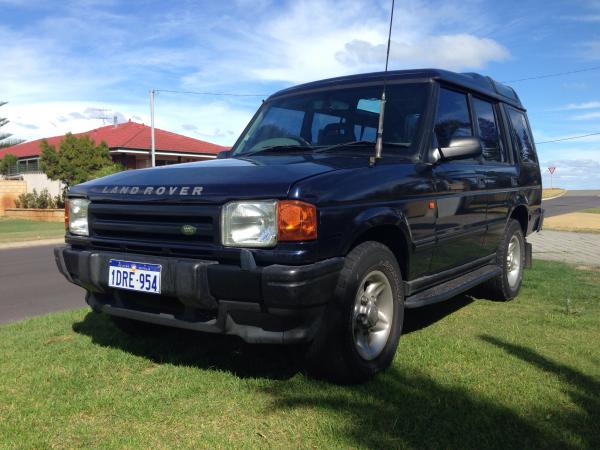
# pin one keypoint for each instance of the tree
(107, 170)
(78, 160)
(6, 163)
(4, 141)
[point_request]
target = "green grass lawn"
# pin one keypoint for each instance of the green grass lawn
(468, 374)
(15, 230)
(591, 210)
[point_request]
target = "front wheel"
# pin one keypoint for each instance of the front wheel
(361, 328)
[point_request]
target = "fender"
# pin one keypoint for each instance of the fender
(374, 217)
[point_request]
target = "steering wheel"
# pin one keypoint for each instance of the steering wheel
(303, 142)
(288, 140)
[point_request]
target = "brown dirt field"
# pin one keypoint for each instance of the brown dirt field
(547, 193)
(578, 221)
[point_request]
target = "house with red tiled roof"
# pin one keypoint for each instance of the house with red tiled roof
(129, 144)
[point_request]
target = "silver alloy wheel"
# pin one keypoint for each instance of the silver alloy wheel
(513, 261)
(373, 315)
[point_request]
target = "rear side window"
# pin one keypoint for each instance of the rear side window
(453, 118)
(487, 128)
(521, 137)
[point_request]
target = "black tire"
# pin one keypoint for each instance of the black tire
(500, 288)
(136, 328)
(333, 355)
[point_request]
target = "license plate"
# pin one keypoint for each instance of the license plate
(134, 276)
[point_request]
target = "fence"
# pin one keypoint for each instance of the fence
(9, 191)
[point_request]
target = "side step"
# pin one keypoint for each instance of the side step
(452, 288)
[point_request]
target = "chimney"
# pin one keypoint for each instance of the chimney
(115, 121)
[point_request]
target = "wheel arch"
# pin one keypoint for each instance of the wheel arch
(521, 214)
(386, 226)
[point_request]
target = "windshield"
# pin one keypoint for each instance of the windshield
(312, 121)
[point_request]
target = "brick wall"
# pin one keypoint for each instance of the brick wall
(40, 215)
(9, 191)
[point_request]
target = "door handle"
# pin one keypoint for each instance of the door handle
(480, 182)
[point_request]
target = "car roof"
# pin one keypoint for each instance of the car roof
(470, 81)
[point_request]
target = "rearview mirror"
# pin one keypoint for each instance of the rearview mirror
(223, 154)
(461, 147)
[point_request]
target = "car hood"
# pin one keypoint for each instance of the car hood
(214, 181)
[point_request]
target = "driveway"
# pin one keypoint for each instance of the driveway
(572, 201)
(566, 246)
(31, 285)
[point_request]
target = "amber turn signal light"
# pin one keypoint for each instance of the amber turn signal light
(297, 221)
(66, 214)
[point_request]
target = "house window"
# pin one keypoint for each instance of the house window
(30, 165)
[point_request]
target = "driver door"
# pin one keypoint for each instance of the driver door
(460, 189)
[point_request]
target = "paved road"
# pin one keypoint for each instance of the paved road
(30, 284)
(572, 201)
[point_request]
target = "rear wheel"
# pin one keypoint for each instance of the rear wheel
(362, 326)
(510, 257)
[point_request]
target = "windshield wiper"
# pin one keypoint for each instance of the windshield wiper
(279, 148)
(360, 144)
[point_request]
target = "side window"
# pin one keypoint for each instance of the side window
(521, 137)
(453, 118)
(487, 128)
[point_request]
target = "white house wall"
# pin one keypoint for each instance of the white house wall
(39, 182)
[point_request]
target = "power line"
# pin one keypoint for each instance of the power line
(567, 138)
(550, 75)
(224, 94)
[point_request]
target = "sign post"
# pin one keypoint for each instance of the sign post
(551, 169)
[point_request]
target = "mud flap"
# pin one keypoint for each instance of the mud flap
(528, 255)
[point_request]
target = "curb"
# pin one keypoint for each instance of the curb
(35, 243)
(556, 196)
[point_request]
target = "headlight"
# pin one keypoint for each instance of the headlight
(249, 224)
(78, 216)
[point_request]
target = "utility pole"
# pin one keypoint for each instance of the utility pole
(153, 145)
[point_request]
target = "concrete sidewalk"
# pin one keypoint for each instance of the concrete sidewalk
(574, 248)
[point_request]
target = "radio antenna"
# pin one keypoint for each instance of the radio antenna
(379, 140)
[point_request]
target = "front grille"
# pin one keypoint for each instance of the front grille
(152, 224)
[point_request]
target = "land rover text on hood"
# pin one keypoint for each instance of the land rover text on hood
(302, 233)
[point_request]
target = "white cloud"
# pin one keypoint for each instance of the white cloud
(61, 62)
(573, 173)
(439, 51)
(584, 105)
(591, 50)
(588, 116)
(37, 120)
(310, 40)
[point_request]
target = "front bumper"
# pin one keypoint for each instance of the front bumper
(272, 304)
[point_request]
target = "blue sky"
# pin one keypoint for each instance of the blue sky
(64, 62)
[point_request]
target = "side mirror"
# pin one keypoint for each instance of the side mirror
(461, 147)
(224, 154)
